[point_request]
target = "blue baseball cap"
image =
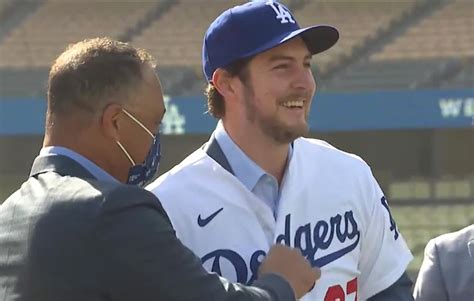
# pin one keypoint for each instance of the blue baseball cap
(254, 27)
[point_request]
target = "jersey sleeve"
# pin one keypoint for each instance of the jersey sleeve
(384, 253)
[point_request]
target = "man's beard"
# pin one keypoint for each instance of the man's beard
(270, 125)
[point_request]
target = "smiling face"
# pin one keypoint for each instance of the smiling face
(276, 92)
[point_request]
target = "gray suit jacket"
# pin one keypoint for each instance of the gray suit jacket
(447, 272)
(66, 236)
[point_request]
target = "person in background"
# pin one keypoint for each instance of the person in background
(447, 272)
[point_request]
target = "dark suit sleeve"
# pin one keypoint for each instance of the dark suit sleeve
(399, 291)
(143, 260)
(429, 284)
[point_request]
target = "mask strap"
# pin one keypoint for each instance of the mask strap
(125, 152)
(138, 122)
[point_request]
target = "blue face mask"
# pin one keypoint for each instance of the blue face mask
(140, 174)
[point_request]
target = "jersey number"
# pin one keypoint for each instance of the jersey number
(336, 292)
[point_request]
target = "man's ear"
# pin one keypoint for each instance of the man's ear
(111, 121)
(224, 82)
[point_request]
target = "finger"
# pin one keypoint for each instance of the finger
(278, 248)
(317, 273)
(311, 288)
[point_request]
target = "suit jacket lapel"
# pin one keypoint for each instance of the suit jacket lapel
(59, 164)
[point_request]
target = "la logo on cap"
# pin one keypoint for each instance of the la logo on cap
(281, 13)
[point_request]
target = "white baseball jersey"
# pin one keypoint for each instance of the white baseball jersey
(331, 207)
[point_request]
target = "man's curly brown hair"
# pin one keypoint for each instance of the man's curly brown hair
(215, 101)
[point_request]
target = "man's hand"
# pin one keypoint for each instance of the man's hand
(291, 265)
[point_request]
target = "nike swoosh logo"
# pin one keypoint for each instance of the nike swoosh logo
(203, 222)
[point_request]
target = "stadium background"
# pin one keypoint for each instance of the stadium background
(397, 89)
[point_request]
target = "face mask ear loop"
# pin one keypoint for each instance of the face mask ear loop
(125, 152)
(138, 122)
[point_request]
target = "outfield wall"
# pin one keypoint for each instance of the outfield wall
(331, 112)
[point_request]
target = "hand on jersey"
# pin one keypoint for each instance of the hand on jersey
(291, 265)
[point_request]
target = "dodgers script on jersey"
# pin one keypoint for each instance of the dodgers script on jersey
(331, 207)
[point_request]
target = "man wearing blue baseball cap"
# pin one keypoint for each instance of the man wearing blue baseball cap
(257, 182)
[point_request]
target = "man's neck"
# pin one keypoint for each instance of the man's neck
(270, 155)
(82, 142)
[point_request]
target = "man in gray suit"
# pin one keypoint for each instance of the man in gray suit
(447, 272)
(81, 227)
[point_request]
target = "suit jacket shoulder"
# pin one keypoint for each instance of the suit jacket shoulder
(447, 272)
(51, 226)
(455, 241)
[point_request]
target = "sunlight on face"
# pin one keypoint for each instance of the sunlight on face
(148, 108)
(278, 92)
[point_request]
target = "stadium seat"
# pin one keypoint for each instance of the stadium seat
(45, 33)
(400, 190)
(176, 38)
(357, 21)
(446, 33)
